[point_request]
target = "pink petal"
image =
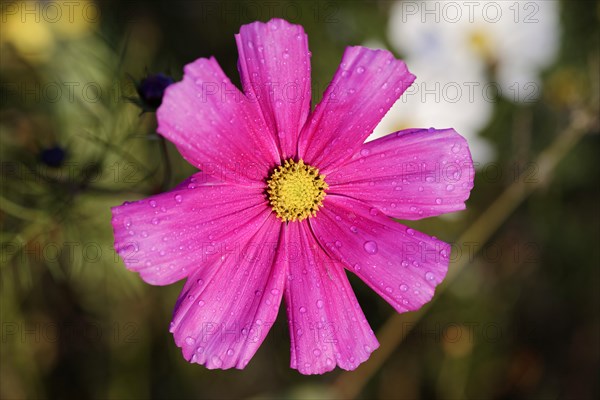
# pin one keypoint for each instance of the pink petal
(327, 326)
(363, 89)
(226, 309)
(411, 174)
(275, 70)
(167, 237)
(214, 126)
(402, 265)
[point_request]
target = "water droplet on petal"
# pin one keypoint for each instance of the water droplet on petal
(319, 303)
(230, 352)
(360, 70)
(217, 361)
(404, 288)
(178, 198)
(450, 188)
(317, 352)
(365, 152)
(190, 340)
(370, 247)
(429, 276)
(302, 310)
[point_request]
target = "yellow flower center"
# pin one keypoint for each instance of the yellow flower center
(481, 44)
(296, 190)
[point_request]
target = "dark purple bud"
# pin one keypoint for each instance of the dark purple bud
(151, 90)
(53, 156)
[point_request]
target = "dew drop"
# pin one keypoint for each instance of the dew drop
(404, 288)
(152, 203)
(230, 352)
(373, 211)
(370, 247)
(190, 340)
(319, 303)
(316, 352)
(455, 148)
(302, 310)
(353, 229)
(217, 361)
(438, 201)
(360, 70)
(429, 276)
(178, 198)
(365, 152)
(450, 188)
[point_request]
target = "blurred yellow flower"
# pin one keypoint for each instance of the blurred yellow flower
(33, 28)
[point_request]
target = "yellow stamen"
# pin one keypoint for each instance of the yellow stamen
(296, 190)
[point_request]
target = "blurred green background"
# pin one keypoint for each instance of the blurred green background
(518, 317)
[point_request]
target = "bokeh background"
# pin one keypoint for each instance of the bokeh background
(519, 314)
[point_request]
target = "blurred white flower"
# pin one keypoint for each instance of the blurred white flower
(453, 47)
(515, 39)
(443, 99)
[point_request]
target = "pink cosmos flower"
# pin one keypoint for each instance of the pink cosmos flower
(288, 198)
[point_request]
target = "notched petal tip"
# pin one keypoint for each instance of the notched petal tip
(274, 24)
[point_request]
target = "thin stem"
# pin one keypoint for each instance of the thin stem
(167, 163)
